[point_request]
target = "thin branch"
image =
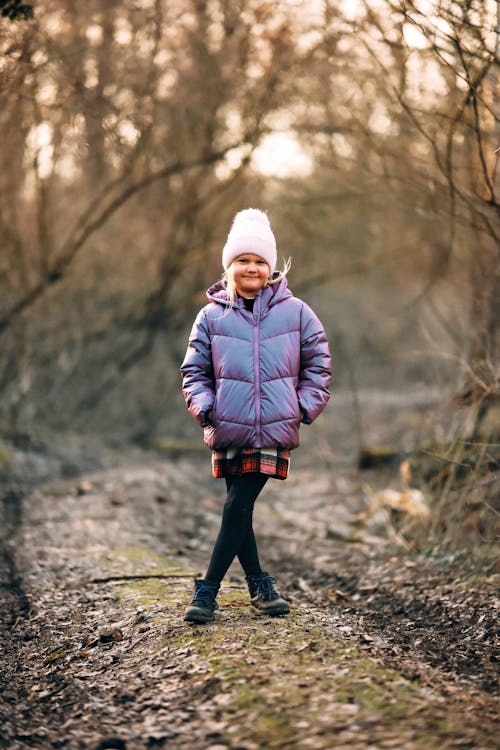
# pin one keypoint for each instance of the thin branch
(473, 85)
(124, 579)
(87, 226)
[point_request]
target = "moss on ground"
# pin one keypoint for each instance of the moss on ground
(5, 461)
(138, 560)
(279, 681)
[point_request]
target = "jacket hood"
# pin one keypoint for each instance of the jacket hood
(271, 295)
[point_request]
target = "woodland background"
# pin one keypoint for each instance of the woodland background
(132, 132)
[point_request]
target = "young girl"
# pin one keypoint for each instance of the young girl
(257, 365)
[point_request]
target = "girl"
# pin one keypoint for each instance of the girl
(257, 365)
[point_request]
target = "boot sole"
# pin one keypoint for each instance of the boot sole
(200, 619)
(197, 616)
(277, 612)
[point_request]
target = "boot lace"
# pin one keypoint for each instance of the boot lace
(204, 595)
(266, 590)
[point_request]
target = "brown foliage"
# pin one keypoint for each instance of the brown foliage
(129, 132)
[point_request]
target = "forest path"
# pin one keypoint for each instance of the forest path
(382, 649)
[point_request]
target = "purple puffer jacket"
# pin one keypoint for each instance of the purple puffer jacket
(256, 371)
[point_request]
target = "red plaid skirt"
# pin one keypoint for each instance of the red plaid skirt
(234, 461)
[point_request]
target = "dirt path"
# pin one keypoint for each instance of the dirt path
(382, 650)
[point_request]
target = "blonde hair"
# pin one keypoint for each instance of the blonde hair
(228, 277)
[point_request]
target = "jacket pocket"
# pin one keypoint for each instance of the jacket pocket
(214, 412)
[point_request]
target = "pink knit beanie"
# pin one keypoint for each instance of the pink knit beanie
(250, 233)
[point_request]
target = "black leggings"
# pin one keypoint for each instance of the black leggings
(236, 537)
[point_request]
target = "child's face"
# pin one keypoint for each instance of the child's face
(250, 273)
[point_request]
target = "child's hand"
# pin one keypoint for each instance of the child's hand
(206, 418)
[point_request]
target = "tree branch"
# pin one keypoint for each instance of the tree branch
(87, 226)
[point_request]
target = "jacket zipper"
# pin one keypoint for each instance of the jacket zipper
(256, 365)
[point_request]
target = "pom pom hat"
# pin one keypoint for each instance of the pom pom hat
(250, 233)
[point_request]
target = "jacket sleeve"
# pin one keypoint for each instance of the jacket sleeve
(315, 366)
(198, 385)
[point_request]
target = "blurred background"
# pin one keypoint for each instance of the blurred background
(132, 131)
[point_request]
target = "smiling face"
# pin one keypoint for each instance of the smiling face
(250, 274)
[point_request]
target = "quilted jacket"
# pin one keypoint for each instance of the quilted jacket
(260, 373)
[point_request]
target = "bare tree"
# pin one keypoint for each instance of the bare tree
(402, 115)
(110, 109)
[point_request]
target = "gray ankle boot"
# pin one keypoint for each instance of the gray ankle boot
(203, 604)
(264, 596)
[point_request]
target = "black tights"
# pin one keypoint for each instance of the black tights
(236, 537)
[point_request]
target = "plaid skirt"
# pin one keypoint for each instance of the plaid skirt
(273, 462)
